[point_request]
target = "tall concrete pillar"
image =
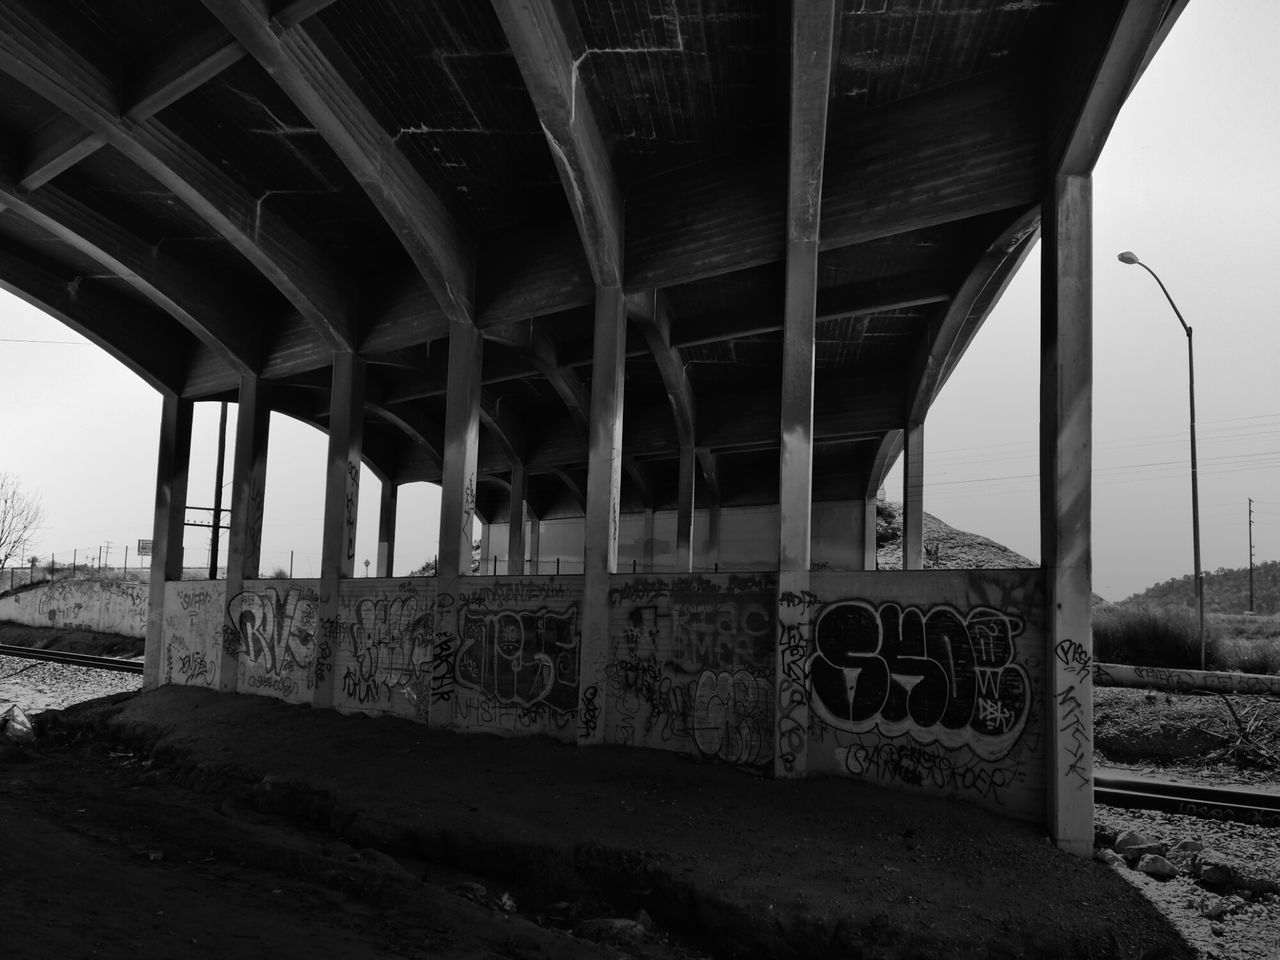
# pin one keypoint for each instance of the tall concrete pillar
(812, 32)
(604, 486)
(795, 512)
(864, 543)
(684, 511)
(515, 521)
(535, 542)
(913, 497)
(649, 520)
(458, 494)
(248, 497)
(461, 443)
(173, 464)
(341, 505)
(387, 506)
(1066, 452)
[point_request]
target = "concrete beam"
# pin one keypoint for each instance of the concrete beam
(545, 40)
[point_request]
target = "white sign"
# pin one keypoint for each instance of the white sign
(144, 548)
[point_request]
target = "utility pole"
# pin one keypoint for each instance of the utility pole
(107, 559)
(1251, 554)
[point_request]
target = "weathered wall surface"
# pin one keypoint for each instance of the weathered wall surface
(273, 628)
(690, 665)
(932, 680)
(507, 655)
(193, 611)
(108, 606)
(382, 646)
(923, 680)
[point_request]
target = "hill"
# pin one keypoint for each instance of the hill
(1225, 591)
(945, 547)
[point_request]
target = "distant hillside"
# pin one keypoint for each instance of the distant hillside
(946, 548)
(1225, 591)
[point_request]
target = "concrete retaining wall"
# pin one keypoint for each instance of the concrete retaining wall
(108, 606)
(928, 681)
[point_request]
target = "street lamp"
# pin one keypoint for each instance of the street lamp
(1132, 258)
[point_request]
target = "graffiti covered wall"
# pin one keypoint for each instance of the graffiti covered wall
(690, 665)
(507, 651)
(923, 680)
(932, 680)
(108, 606)
(192, 632)
(273, 629)
(381, 646)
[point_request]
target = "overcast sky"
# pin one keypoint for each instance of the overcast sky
(1186, 181)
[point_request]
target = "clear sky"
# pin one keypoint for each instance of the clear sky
(1187, 181)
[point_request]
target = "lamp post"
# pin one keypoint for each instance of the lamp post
(1132, 258)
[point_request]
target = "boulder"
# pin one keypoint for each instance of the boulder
(1156, 866)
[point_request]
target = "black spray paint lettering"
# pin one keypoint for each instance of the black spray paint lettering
(940, 676)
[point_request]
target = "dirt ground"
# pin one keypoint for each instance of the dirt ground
(184, 824)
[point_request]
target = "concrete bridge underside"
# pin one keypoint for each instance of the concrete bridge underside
(595, 262)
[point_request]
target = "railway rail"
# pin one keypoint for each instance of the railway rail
(1257, 807)
(72, 659)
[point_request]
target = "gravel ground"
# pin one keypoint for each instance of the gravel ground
(35, 685)
(1190, 735)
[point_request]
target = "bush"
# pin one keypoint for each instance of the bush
(1144, 636)
(1245, 655)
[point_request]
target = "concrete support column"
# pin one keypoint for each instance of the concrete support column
(649, 519)
(864, 547)
(913, 497)
(1066, 450)
(387, 505)
(173, 464)
(713, 536)
(458, 494)
(535, 543)
(341, 505)
(515, 521)
(604, 486)
(813, 24)
(461, 442)
(684, 511)
(486, 555)
(248, 496)
(795, 511)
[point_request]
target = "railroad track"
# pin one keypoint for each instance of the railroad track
(72, 659)
(1257, 807)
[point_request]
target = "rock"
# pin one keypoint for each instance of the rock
(1109, 857)
(1134, 854)
(1156, 866)
(1130, 838)
(1217, 929)
(1214, 868)
(1187, 846)
(17, 726)
(610, 930)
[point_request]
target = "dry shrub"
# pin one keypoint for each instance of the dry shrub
(1145, 636)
